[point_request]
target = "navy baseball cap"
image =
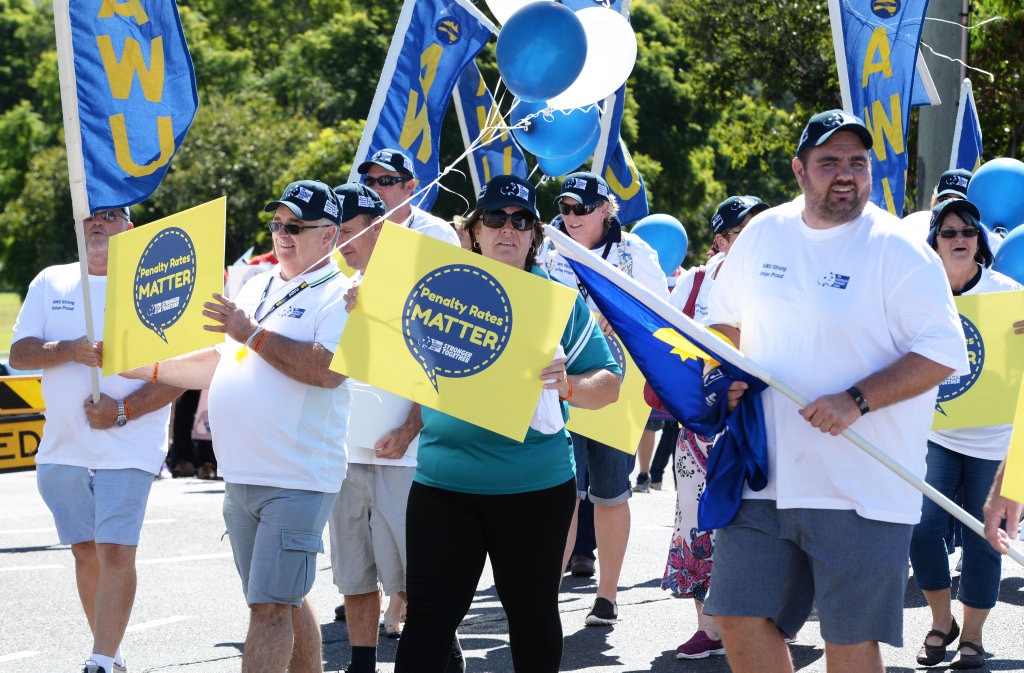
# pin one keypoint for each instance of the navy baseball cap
(390, 160)
(587, 188)
(954, 183)
(309, 200)
(355, 198)
(823, 125)
(731, 212)
(508, 190)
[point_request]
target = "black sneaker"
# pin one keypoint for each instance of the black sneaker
(643, 483)
(603, 613)
(92, 667)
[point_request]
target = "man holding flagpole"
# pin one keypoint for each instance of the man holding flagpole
(96, 461)
(839, 298)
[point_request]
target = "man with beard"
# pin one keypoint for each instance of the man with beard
(837, 299)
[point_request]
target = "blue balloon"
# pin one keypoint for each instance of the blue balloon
(554, 133)
(1009, 258)
(554, 167)
(997, 188)
(665, 234)
(541, 50)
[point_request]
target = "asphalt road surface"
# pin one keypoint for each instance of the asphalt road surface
(190, 615)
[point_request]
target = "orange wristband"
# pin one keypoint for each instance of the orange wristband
(156, 368)
(259, 341)
(127, 410)
(568, 395)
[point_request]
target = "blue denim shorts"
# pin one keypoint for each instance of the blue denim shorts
(104, 506)
(275, 536)
(605, 469)
(776, 563)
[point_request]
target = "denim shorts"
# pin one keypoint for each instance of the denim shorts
(275, 535)
(777, 563)
(104, 506)
(606, 470)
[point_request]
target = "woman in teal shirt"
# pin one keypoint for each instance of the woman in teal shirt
(478, 494)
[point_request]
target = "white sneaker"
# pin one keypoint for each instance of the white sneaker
(119, 668)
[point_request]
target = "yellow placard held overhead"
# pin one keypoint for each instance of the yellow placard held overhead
(453, 330)
(158, 277)
(987, 394)
(621, 423)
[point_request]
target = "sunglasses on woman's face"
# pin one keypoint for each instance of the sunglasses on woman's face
(577, 209)
(966, 232)
(496, 220)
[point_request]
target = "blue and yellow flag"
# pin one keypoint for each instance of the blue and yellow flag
(158, 277)
(671, 349)
(876, 44)
(480, 123)
(136, 91)
(967, 136)
(433, 43)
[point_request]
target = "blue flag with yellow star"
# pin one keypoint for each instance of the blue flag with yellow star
(671, 350)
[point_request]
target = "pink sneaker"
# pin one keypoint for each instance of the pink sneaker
(699, 647)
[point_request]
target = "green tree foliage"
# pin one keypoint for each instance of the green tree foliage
(715, 104)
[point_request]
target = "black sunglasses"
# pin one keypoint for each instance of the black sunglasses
(293, 229)
(496, 220)
(384, 180)
(577, 209)
(966, 232)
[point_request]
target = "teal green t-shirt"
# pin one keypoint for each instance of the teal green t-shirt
(459, 456)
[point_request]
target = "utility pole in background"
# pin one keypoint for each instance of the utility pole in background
(936, 122)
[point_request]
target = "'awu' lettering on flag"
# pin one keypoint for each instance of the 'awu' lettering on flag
(136, 95)
(876, 51)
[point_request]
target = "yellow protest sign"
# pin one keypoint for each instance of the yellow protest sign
(621, 423)
(453, 330)
(986, 395)
(1013, 473)
(158, 277)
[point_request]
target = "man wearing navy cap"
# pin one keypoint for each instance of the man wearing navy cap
(392, 174)
(838, 300)
(278, 415)
(952, 185)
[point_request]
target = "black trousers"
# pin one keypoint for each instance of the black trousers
(449, 536)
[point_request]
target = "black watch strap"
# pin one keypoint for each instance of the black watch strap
(858, 397)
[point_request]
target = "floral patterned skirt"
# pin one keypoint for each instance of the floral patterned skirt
(688, 570)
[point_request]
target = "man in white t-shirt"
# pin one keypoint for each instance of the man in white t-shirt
(392, 174)
(96, 462)
(278, 416)
(367, 525)
(837, 299)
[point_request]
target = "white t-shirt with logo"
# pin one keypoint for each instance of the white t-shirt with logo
(820, 310)
(53, 311)
(269, 429)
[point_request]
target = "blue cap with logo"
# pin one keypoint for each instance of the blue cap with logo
(954, 183)
(731, 212)
(309, 200)
(508, 190)
(823, 125)
(390, 160)
(356, 198)
(587, 188)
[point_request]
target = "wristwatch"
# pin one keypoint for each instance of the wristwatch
(122, 417)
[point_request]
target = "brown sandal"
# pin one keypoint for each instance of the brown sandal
(929, 655)
(962, 660)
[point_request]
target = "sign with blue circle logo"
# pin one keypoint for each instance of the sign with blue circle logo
(618, 352)
(457, 321)
(165, 279)
(957, 385)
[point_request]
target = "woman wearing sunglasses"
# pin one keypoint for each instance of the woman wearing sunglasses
(477, 494)
(963, 457)
(588, 214)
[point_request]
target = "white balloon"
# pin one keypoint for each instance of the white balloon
(611, 55)
(502, 9)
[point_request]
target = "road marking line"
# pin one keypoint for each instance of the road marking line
(175, 559)
(46, 567)
(14, 656)
(156, 623)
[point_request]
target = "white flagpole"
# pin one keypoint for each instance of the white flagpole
(699, 334)
(76, 162)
